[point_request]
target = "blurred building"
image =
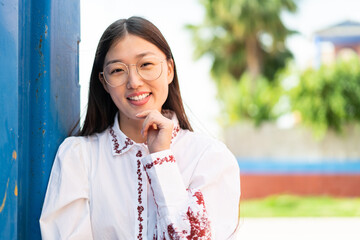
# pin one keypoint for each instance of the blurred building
(340, 40)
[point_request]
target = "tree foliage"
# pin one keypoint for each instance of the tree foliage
(241, 101)
(246, 41)
(329, 97)
(243, 35)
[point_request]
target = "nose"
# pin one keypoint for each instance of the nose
(134, 80)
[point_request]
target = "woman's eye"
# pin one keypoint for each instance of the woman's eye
(146, 64)
(117, 70)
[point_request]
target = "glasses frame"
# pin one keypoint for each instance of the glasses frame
(137, 71)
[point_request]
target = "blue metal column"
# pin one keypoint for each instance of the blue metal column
(54, 92)
(40, 102)
(9, 157)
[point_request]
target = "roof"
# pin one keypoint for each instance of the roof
(343, 29)
(344, 32)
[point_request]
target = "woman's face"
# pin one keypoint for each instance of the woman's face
(136, 94)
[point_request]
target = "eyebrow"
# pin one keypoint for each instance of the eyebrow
(140, 55)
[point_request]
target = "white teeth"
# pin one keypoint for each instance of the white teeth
(139, 97)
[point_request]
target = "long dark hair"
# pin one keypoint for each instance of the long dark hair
(101, 109)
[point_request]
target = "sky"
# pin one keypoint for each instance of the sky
(197, 88)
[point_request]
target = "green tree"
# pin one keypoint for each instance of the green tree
(258, 104)
(243, 35)
(329, 97)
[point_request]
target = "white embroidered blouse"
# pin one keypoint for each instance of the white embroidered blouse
(106, 186)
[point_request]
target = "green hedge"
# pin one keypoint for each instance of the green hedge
(324, 98)
(250, 99)
(329, 97)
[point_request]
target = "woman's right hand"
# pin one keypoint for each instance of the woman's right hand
(157, 129)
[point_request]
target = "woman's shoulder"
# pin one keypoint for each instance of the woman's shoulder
(78, 144)
(73, 141)
(75, 153)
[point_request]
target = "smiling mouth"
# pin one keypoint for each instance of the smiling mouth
(139, 97)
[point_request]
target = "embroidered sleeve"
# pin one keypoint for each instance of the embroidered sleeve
(217, 174)
(181, 212)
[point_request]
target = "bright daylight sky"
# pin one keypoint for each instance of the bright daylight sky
(197, 89)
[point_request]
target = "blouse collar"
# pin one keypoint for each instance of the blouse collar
(120, 143)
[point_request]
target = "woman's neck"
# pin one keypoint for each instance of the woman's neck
(132, 129)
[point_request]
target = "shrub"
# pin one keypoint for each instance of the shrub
(329, 97)
(250, 99)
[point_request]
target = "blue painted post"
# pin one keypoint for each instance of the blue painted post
(40, 103)
(9, 130)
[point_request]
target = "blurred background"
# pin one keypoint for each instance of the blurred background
(278, 82)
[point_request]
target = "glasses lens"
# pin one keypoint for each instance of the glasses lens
(149, 68)
(116, 74)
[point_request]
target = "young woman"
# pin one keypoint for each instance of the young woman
(137, 170)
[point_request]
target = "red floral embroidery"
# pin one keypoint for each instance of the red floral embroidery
(155, 233)
(172, 233)
(175, 132)
(149, 179)
(200, 198)
(152, 191)
(127, 142)
(139, 154)
(149, 165)
(199, 223)
(140, 208)
(159, 161)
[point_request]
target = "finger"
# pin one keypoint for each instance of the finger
(150, 122)
(147, 122)
(155, 120)
(145, 113)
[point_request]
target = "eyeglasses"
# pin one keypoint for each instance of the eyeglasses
(148, 68)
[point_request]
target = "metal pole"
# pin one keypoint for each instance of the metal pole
(40, 99)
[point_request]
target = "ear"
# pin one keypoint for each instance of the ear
(170, 71)
(103, 82)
